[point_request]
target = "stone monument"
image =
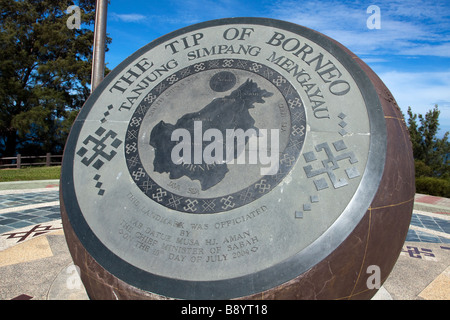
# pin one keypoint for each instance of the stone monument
(242, 158)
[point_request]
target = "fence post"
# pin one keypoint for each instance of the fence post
(47, 159)
(19, 161)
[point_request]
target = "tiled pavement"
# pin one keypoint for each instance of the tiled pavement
(25, 215)
(18, 210)
(428, 228)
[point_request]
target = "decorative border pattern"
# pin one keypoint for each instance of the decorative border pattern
(287, 159)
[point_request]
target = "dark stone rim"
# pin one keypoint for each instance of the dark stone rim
(272, 276)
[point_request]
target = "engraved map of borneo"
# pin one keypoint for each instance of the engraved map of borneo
(212, 158)
(222, 114)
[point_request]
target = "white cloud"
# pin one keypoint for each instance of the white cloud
(439, 50)
(421, 91)
(130, 17)
(407, 27)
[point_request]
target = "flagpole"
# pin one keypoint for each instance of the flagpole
(98, 60)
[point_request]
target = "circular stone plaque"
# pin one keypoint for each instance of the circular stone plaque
(235, 159)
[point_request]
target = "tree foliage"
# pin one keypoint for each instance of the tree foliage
(431, 153)
(45, 72)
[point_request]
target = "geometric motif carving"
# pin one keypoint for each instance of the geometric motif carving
(307, 206)
(99, 185)
(106, 113)
(33, 232)
(342, 124)
(99, 148)
(330, 164)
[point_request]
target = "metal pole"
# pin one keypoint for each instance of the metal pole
(98, 59)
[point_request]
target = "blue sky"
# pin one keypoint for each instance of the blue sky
(410, 52)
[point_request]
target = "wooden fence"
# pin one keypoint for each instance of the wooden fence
(19, 161)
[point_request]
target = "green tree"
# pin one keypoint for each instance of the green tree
(431, 153)
(45, 71)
